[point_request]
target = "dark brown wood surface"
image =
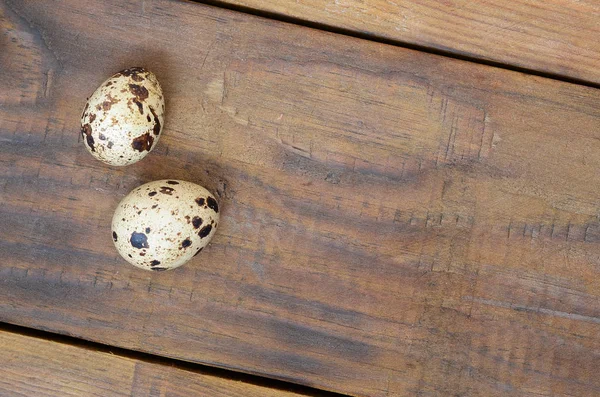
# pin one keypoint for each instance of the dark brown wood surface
(393, 222)
(40, 368)
(551, 36)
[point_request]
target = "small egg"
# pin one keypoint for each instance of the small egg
(161, 225)
(123, 119)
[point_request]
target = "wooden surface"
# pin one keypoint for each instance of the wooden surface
(392, 222)
(38, 367)
(552, 36)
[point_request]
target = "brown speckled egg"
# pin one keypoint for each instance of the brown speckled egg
(123, 119)
(161, 225)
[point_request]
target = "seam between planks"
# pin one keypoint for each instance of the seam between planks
(136, 355)
(396, 43)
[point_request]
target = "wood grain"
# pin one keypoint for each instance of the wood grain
(393, 222)
(38, 367)
(551, 36)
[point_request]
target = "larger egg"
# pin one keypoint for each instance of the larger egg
(123, 119)
(161, 225)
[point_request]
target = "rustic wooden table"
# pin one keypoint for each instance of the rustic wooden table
(404, 211)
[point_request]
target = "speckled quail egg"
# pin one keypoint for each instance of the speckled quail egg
(161, 225)
(123, 119)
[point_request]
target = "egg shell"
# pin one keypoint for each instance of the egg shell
(161, 225)
(123, 119)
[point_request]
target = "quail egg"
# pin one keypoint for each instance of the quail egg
(123, 119)
(161, 225)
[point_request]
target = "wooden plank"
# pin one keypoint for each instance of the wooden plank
(39, 367)
(551, 36)
(393, 223)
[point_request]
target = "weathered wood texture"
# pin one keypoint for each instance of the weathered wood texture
(38, 367)
(552, 36)
(393, 223)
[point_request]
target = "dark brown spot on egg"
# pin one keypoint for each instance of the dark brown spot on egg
(98, 107)
(143, 142)
(86, 131)
(133, 70)
(140, 92)
(186, 243)
(102, 137)
(166, 190)
(154, 263)
(200, 250)
(156, 127)
(92, 117)
(87, 105)
(110, 144)
(114, 236)
(197, 222)
(200, 201)
(173, 182)
(154, 206)
(106, 105)
(133, 73)
(205, 231)
(147, 230)
(152, 194)
(129, 255)
(148, 118)
(139, 105)
(212, 204)
(142, 254)
(139, 240)
(109, 84)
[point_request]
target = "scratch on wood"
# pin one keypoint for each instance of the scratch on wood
(224, 88)
(585, 234)
(459, 124)
(47, 82)
(206, 56)
(530, 309)
(451, 138)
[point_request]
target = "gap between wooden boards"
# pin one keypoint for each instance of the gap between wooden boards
(397, 43)
(206, 370)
